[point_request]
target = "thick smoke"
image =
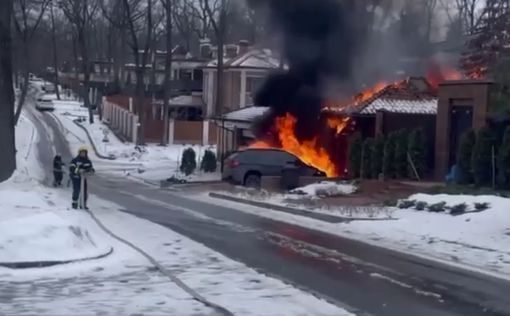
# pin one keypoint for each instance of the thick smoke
(319, 41)
(336, 48)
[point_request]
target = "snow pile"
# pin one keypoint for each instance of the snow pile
(48, 236)
(28, 168)
(325, 189)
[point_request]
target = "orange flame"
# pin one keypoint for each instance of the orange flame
(308, 151)
(337, 123)
(260, 145)
(370, 92)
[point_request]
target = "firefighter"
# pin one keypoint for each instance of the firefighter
(58, 172)
(79, 165)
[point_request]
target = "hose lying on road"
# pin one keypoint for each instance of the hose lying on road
(164, 271)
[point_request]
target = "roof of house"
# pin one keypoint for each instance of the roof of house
(247, 114)
(411, 96)
(423, 106)
(253, 58)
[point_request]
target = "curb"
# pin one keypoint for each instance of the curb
(46, 264)
(167, 184)
(296, 211)
(62, 127)
(92, 142)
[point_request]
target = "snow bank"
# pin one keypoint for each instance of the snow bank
(48, 237)
(326, 188)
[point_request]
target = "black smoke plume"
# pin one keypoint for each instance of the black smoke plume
(318, 43)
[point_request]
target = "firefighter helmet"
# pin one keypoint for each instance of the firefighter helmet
(83, 149)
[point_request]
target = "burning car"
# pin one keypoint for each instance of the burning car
(248, 166)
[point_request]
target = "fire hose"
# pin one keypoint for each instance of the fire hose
(221, 310)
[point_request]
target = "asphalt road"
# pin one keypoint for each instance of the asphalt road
(364, 279)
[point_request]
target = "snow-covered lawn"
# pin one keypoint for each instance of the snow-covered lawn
(474, 240)
(150, 163)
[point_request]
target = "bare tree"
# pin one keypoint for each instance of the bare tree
(27, 14)
(7, 139)
(55, 52)
(113, 11)
(429, 7)
(80, 14)
(138, 20)
(184, 18)
(168, 5)
(468, 11)
(218, 24)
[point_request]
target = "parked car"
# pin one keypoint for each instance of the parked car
(44, 103)
(48, 88)
(247, 167)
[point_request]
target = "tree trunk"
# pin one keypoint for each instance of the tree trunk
(140, 105)
(86, 73)
(76, 69)
(7, 138)
(219, 70)
(26, 81)
(168, 72)
(55, 54)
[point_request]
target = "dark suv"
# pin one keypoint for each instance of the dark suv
(248, 166)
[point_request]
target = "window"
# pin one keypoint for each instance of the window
(185, 74)
(197, 74)
(253, 84)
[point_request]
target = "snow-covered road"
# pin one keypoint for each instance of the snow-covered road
(125, 282)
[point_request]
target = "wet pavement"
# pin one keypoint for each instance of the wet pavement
(364, 279)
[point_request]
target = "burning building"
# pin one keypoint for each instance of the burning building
(296, 110)
(443, 109)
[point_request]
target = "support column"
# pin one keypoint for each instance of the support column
(242, 96)
(171, 131)
(210, 94)
(134, 136)
(379, 123)
(205, 132)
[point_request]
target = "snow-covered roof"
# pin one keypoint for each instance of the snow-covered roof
(413, 95)
(254, 58)
(420, 106)
(187, 100)
(247, 114)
